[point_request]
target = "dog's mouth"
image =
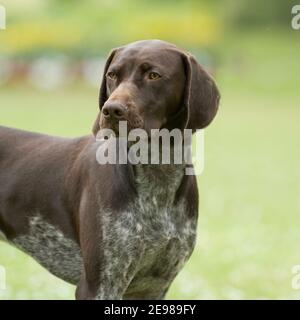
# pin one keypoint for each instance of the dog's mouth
(122, 127)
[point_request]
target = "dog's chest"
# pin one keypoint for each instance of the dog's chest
(168, 234)
(154, 237)
(167, 238)
(162, 217)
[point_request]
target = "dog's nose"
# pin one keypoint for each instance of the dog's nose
(113, 110)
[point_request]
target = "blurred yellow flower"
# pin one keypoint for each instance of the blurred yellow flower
(24, 37)
(193, 28)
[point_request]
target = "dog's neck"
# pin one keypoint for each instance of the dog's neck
(158, 181)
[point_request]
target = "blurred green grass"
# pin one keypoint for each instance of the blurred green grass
(249, 222)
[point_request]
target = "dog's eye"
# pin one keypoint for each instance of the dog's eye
(154, 75)
(112, 75)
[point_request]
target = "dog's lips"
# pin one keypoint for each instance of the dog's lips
(111, 128)
(111, 125)
(114, 126)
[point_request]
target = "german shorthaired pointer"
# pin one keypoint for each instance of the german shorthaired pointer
(116, 231)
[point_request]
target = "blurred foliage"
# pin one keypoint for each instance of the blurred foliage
(256, 13)
(91, 27)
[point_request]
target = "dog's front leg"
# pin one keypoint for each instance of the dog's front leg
(111, 252)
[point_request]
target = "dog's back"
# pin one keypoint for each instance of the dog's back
(33, 172)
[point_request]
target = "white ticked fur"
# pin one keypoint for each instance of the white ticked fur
(143, 247)
(146, 246)
(52, 249)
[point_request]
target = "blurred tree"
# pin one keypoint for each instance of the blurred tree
(256, 13)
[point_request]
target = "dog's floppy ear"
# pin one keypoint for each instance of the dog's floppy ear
(103, 91)
(201, 94)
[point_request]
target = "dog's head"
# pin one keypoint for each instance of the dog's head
(152, 84)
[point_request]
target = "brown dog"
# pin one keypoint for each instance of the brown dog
(115, 231)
